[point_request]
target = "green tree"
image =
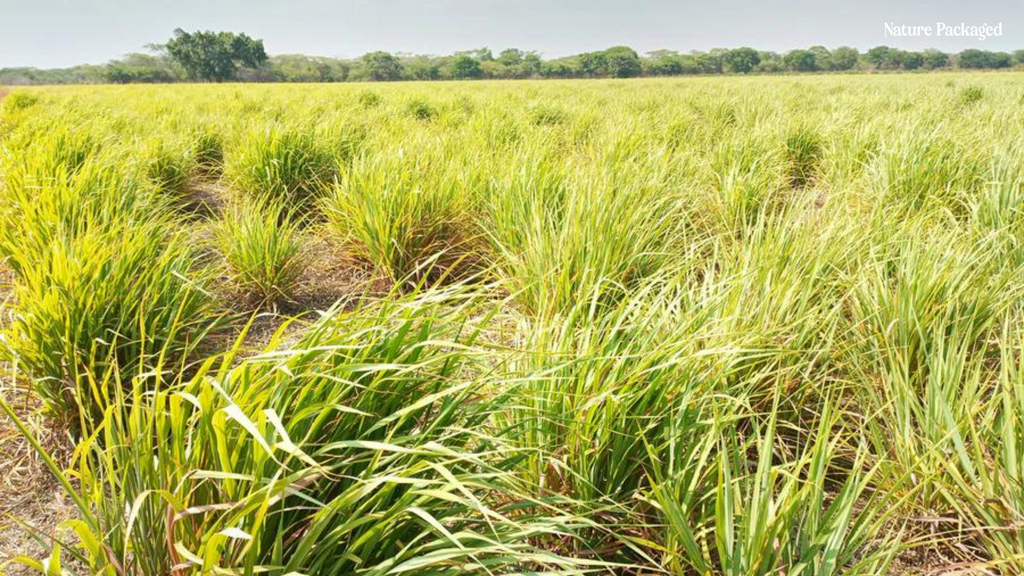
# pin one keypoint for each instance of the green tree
(973, 58)
(215, 56)
(1001, 60)
(382, 66)
(511, 57)
(822, 57)
(688, 64)
(592, 63)
(844, 58)
(622, 62)
(301, 68)
(479, 54)
(884, 57)
(741, 60)
(144, 68)
(800, 60)
(770, 62)
(561, 68)
(709, 62)
(531, 64)
(464, 66)
(912, 60)
(662, 63)
(932, 59)
(513, 63)
(420, 68)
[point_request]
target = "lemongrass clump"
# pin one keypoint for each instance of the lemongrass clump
(262, 246)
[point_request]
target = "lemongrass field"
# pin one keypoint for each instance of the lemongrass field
(736, 326)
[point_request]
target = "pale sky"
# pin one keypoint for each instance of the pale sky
(58, 33)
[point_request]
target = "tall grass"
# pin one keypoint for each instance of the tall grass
(408, 216)
(104, 278)
(125, 298)
(262, 246)
(285, 165)
(736, 326)
(560, 236)
(356, 449)
(169, 169)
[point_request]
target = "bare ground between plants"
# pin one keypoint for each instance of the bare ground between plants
(331, 280)
(30, 498)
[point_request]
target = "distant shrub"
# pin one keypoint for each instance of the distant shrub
(369, 99)
(803, 153)
(971, 95)
(546, 115)
(262, 248)
(421, 109)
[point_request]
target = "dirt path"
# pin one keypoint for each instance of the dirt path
(29, 496)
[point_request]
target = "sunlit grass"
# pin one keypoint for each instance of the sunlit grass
(737, 326)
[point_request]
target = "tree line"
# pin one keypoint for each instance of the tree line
(225, 56)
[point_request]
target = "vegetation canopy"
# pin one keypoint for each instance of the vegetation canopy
(214, 56)
(224, 56)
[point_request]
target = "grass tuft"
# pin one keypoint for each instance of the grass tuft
(262, 246)
(283, 165)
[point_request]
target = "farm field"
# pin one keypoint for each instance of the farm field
(736, 326)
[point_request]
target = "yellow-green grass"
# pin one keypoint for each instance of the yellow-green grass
(690, 326)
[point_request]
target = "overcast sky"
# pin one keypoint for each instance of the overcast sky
(52, 33)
